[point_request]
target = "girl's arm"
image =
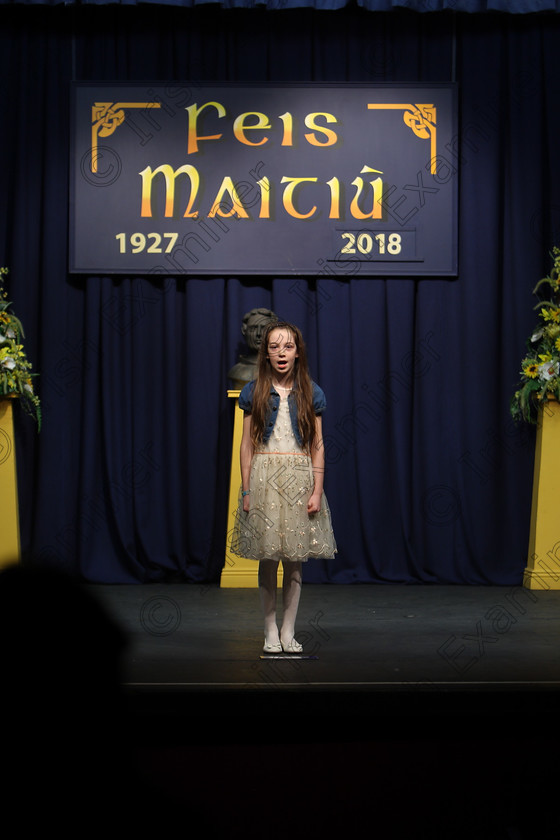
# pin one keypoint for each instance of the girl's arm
(318, 465)
(246, 456)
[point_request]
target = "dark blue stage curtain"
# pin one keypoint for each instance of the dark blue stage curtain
(428, 480)
(517, 7)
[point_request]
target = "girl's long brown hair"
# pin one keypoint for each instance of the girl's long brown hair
(303, 388)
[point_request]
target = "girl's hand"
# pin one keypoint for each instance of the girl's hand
(314, 503)
(246, 503)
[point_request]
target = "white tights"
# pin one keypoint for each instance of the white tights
(291, 591)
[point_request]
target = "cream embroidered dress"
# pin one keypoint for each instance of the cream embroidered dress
(277, 526)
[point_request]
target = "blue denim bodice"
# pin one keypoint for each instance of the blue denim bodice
(246, 404)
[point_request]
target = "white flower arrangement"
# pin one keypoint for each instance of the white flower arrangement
(540, 369)
(16, 378)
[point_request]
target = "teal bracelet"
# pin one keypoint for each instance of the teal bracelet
(245, 492)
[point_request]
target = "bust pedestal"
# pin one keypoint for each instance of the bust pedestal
(9, 515)
(543, 564)
(238, 572)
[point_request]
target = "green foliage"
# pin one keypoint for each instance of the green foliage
(540, 368)
(16, 378)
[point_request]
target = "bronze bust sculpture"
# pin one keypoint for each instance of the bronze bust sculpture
(254, 324)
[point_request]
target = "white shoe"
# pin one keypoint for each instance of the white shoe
(292, 646)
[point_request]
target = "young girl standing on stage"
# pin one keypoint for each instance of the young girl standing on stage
(284, 515)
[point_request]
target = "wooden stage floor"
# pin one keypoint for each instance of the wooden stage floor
(429, 647)
(427, 713)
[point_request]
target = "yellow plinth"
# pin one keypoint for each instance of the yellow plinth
(543, 564)
(9, 518)
(238, 572)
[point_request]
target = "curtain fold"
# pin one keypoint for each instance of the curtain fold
(427, 478)
(515, 7)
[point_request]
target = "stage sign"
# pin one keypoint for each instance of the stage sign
(325, 180)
